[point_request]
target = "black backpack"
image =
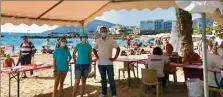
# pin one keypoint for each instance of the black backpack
(219, 84)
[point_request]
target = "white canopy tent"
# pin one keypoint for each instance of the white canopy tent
(79, 13)
(202, 7)
(74, 12)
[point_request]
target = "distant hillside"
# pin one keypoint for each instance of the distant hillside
(92, 26)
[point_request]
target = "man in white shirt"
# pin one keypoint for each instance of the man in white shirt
(220, 50)
(103, 51)
(213, 63)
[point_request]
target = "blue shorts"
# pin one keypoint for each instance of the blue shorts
(81, 71)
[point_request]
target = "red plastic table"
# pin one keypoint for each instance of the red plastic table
(186, 66)
(14, 72)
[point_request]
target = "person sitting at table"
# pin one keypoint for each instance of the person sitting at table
(220, 50)
(213, 63)
(123, 53)
(143, 51)
(215, 48)
(156, 62)
(192, 58)
(9, 62)
(167, 69)
(44, 50)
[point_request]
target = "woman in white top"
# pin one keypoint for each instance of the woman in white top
(156, 62)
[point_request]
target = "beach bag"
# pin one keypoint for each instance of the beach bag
(219, 84)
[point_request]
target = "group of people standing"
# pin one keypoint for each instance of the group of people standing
(82, 56)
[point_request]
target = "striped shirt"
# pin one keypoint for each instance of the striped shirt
(27, 48)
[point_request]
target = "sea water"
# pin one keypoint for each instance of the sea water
(15, 39)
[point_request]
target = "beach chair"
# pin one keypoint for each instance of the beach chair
(131, 67)
(149, 77)
(174, 59)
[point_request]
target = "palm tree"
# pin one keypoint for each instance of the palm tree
(184, 28)
(209, 30)
(196, 30)
(218, 29)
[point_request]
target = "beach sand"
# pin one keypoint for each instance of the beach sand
(41, 83)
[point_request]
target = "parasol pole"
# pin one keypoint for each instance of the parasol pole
(0, 61)
(204, 44)
(82, 26)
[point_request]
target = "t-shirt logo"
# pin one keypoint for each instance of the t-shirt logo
(156, 59)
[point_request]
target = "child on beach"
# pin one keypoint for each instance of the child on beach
(61, 59)
(82, 63)
(9, 62)
(44, 50)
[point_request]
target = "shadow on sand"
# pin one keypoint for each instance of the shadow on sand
(46, 78)
(91, 91)
(173, 90)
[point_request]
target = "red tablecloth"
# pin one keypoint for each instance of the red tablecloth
(25, 68)
(194, 67)
(186, 66)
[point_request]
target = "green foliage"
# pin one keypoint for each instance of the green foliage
(162, 31)
(196, 30)
(91, 31)
(125, 31)
(218, 29)
(209, 30)
(77, 34)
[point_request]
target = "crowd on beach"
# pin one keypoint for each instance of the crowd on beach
(83, 54)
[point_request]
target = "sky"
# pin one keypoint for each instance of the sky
(124, 17)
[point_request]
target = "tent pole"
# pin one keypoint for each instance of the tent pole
(0, 60)
(82, 26)
(204, 39)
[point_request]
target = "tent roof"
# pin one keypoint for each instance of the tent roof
(65, 12)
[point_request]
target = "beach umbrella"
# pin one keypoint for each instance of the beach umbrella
(202, 7)
(138, 40)
(66, 12)
(149, 40)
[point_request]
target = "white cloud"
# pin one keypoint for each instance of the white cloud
(23, 28)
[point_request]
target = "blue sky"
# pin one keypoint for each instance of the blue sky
(127, 18)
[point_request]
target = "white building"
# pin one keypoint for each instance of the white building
(98, 28)
(158, 24)
(167, 26)
(115, 29)
(147, 25)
